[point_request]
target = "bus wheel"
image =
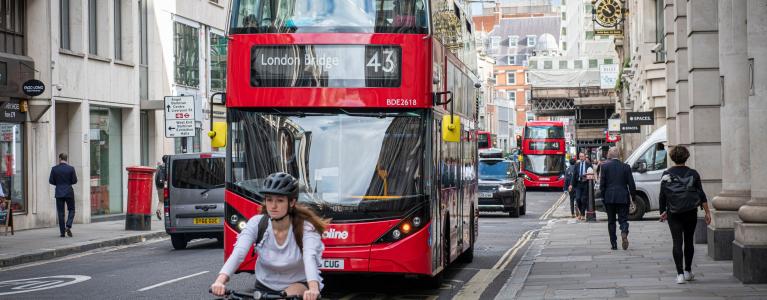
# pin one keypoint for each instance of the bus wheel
(468, 255)
(179, 241)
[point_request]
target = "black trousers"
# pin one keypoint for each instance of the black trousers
(682, 227)
(573, 203)
(582, 197)
(70, 202)
(622, 212)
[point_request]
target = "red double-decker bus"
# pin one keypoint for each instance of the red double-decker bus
(484, 139)
(543, 154)
(372, 109)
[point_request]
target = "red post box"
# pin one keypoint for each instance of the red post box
(139, 215)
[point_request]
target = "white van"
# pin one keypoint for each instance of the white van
(648, 161)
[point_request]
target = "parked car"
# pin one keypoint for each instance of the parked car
(500, 186)
(648, 161)
(194, 197)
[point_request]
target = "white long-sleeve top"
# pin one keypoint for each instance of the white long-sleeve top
(278, 266)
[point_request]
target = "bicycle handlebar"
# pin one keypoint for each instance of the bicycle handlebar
(258, 295)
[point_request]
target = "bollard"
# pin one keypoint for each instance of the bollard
(139, 214)
(591, 215)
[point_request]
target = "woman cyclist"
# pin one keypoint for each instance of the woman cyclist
(283, 264)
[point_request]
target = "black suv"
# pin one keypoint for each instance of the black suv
(500, 186)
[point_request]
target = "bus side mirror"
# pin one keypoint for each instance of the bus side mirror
(451, 128)
(218, 135)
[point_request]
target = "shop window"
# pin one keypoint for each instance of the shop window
(12, 165)
(106, 160)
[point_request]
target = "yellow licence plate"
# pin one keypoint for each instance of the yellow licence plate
(207, 220)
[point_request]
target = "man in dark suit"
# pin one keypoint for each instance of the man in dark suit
(63, 177)
(580, 184)
(617, 185)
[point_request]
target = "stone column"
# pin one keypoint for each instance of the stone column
(669, 15)
(703, 98)
(749, 250)
(736, 170)
(682, 124)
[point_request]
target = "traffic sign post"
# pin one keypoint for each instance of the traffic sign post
(179, 116)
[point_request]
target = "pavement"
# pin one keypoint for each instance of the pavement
(571, 260)
(44, 243)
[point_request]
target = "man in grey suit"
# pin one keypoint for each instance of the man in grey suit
(63, 177)
(616, 184)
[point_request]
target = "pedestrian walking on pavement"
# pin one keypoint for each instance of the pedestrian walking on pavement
(570, 193)
(616, 185)
(580, 184)
(63, 176)
(159, 183)
(681, 194)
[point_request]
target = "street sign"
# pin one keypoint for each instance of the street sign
(640, 118)
(179, 116)
(630, 128)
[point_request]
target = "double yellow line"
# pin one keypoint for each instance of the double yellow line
(509, 255)
(554, 207)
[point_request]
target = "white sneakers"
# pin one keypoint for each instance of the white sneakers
(689, 276)
(682, 278)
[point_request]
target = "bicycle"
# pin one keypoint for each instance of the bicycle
(258, 295)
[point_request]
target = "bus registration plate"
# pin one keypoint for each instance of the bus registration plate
(332, 264)
(207, 221)
(544, 184)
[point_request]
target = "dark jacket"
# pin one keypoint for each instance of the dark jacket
(575, 180)
(63, 177)
(616, 182)
(159, 177)
(681, 171)
(568, 176)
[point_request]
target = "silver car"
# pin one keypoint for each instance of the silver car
(194, 199)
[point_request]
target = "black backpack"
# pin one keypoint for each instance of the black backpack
(681, 193)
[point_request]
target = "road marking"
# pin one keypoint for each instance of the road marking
(28, 285)
(171, 281)
(554, 207)
(87, 253)
(484, 277)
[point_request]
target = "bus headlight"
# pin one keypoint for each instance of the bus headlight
(407, 226)
(396, 234)
(242, 225)
(236, 221)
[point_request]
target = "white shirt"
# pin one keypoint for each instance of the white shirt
(278, 266)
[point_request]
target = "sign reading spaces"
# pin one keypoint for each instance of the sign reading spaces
(179, 116)
(629, 128)
(640, 118)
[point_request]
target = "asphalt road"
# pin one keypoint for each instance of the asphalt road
(153, 270)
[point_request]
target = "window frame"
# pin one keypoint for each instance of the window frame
(514, 38)
(118, 44)
(531, 40)
(511, 78)
(197, 27)
(93, 32)
(220, 33)
(511, 60)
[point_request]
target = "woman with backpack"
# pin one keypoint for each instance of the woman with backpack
(287, 239)
(681, 195)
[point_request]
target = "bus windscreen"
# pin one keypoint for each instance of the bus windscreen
(544, 132)
(349, 167)
(312, 16)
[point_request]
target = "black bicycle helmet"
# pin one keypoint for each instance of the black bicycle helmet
(280, 183)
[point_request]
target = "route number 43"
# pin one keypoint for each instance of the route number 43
(388, 61)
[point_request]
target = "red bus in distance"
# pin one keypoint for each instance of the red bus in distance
(543, 154)
(484, 139)
(350, 98)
